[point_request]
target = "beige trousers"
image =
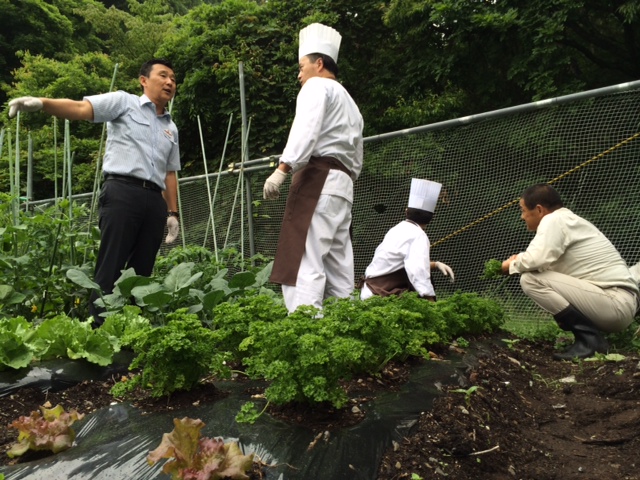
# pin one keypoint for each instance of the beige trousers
(610, 309)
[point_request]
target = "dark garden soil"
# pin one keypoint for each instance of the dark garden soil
(529, 418)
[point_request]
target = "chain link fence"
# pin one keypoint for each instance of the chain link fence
(587, 145)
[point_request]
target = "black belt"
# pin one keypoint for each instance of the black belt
(136, 181)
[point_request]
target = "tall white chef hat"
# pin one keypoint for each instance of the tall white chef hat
(318, 38)
(424, 194)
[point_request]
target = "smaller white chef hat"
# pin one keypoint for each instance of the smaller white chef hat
(424, 194)
(318, 38)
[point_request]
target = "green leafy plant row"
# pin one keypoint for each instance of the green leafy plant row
(47, 255)
(22, 342)
(175, 356)
(177, 290)
(36, 250)
(304, 356)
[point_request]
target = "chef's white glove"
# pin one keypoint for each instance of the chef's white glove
(272, 185)
(173, 228)
(446, 270)
(24, 104)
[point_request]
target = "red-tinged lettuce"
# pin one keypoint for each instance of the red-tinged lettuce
(196, 458)
(50, 430)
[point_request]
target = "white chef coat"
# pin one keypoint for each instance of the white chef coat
(328, 123)
(404, 246)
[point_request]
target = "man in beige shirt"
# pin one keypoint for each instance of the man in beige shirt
(574, 272)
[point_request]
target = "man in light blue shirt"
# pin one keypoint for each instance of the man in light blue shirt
(142, 156)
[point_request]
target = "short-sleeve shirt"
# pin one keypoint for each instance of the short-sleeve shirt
(140, 143)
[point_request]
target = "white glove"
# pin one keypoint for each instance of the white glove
(173, 228)
(24, 104)
(446, 270)
(272, 185)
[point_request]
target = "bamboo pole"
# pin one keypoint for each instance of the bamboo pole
(235, 200)
(29, 173)
(215, 191)
(55, 160)
(12, 190)
(243, 151)
(1, 141)
(16, 174)
(246, 180)
(98, 173)
(68, 161)
(206, 172)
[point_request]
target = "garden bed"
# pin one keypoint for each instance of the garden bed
(530, 417)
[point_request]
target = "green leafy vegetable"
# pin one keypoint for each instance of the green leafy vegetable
(173, 357)
(304, 357)
(66, 337)
(14, 337)
(492, 269)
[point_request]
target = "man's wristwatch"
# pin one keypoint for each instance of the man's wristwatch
(171, 213)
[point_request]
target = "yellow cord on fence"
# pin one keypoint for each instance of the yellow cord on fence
(517, 200)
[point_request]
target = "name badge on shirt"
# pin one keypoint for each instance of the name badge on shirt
(168, 134)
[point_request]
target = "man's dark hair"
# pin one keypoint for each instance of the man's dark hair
(421, 217)
(145, 69)
(327, 61)
(542, 194)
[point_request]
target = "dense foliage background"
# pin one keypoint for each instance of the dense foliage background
(406, 62)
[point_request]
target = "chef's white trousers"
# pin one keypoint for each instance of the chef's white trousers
(326, 269)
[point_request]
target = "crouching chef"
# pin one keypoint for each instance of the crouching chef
(401, 262)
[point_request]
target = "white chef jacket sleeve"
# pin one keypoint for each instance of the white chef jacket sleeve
(306, 127)
(417, 265)
(357, 165)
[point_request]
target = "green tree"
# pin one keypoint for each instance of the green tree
(82, 75)
(492, 54)
(405, 62)
(206, 49)
(210, 42)
(52, 29)
(179, 7)
(132, 36)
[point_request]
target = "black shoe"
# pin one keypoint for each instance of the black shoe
(588, 339)
(581, 349)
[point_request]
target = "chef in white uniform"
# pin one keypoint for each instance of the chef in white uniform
(314, 258)
(402, 261)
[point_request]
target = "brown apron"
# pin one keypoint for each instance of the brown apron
(302, 199)
(393, 283)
